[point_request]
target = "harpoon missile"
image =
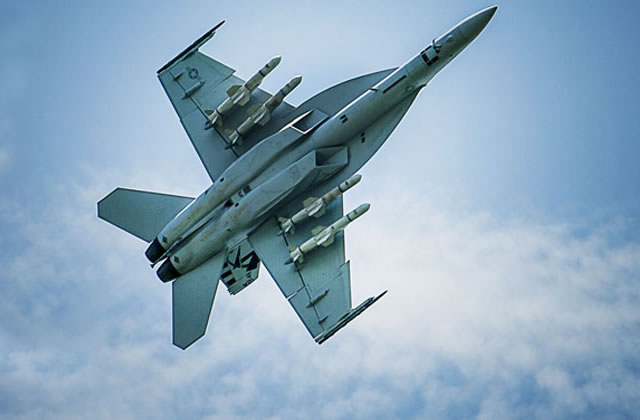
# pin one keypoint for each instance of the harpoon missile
(240, 94)
(315, 206)
(324, 235)
(261, 114)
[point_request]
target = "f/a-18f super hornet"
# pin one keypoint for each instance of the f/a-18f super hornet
(278, 174)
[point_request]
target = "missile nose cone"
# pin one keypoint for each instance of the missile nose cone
(474, 24)
(274, 61)
(363, 208)
(356, 178)
(295, 81)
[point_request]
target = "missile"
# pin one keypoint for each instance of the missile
(261, 114)
(316, 206)
(324, 235)
(240, 94)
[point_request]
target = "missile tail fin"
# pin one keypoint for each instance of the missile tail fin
(328, 242)
(286, 225)
(244, 100)
(264, 119)
(232, 90)
(317, 230)
(309, 201)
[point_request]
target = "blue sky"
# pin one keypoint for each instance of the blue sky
(504, 217)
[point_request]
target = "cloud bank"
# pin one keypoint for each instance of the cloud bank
(484, 319)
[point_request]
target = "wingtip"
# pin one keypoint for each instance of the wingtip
(194, 46)
(183, 345)
(348, 317)
(222, 22)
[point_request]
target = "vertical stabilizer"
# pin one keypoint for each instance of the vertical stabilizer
(193, 295)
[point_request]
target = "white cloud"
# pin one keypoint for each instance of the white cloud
(483, 319)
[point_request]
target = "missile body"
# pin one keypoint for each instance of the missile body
(240, 95)
(257, 78)
(261, 114)
(324, 235)
(315, 206)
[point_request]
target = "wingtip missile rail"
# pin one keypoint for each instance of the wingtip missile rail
(324, 235)
(240, 94)
(191, 48)
(314, 207)
(348, 317)
(261, 114)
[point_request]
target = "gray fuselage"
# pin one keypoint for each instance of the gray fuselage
(229, 209)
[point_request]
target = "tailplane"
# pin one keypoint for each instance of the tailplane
(141, 213)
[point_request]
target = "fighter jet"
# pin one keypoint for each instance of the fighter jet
(278, 176)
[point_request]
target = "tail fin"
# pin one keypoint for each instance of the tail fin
(141, 213)
(193, 295)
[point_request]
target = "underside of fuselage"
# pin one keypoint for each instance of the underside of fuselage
(273, 166)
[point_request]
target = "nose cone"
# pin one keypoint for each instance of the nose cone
(474, 24)
(273, 63)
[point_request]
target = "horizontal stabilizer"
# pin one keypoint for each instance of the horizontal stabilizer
(141, 213)
(348, 317)
(193, 295)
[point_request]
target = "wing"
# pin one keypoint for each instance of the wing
(196, 83)
(318, 290)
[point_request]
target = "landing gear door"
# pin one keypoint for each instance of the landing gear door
(241, 267)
